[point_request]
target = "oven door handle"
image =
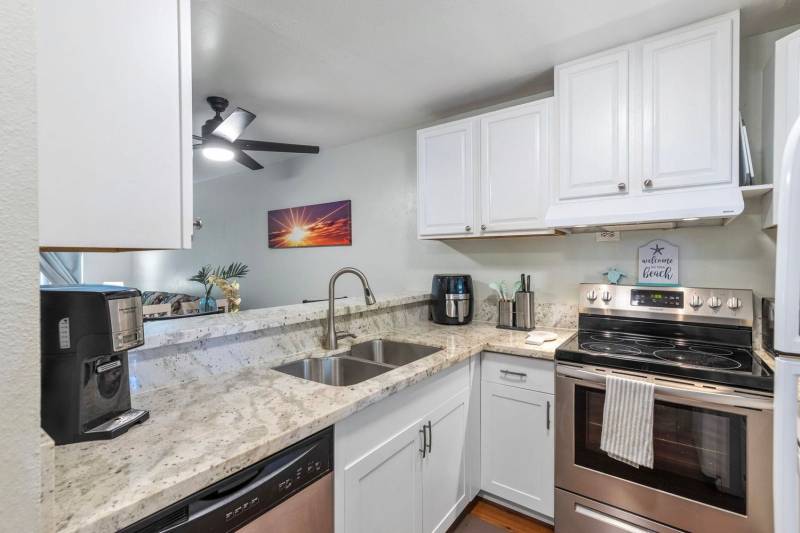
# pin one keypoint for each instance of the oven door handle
(717, 398)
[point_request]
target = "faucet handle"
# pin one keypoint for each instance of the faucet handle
(343, 334)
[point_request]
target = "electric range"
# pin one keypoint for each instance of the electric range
(712, 414)
(699, 334)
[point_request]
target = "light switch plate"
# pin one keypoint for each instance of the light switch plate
(607, 236)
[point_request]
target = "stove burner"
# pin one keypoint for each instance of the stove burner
(611, 348)
(607, 337)
(655, 344)
(711, 350)
(697, 359)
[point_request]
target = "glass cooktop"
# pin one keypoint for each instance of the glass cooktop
(693, 359)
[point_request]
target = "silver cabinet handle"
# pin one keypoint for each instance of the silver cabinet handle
(548, 415)
(483, 227)
(648, 182)
(467, 228)
(512, 373)
(621, 186)
(430, 437)
(424, 448)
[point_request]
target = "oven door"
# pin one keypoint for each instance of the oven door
(712, 454)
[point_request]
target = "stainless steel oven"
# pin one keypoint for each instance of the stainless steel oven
(712, 450)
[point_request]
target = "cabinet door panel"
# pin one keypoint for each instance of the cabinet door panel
(445, 188)
(444, 468)
(517, 449)
(687, 108)
(514, 172)
(118, 172)
(593, 126)
(383, 488)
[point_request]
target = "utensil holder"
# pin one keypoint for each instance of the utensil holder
(505, 313)
(524, 313)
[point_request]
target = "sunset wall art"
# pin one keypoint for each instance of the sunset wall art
(311, 225)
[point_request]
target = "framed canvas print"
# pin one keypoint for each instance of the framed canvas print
(328, 224)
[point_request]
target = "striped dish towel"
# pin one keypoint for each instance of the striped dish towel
(627, 434)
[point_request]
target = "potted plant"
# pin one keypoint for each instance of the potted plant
(207, 277)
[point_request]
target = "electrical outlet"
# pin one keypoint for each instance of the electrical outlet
(607, 236)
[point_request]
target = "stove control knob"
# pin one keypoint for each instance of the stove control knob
(696, 302)
(734, 303)
(714, 303)
(606, 296)
(591, 295)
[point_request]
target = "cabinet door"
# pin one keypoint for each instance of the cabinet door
(688, 108)
(517, 452)
(114, 119)
(444, 466)
(383, 488)
(445, 179)
(592, 96)
(514, 172)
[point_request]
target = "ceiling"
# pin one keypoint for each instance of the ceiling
(331, 72)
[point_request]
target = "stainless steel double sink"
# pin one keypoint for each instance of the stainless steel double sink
(364, 361)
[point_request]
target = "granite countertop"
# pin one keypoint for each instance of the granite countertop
(204, 430)
(164, 332)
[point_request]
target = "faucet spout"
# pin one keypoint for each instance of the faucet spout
(332, 341)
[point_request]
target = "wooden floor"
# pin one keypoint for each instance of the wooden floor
(488, 517)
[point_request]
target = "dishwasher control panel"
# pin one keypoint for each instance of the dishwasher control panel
(244, 496)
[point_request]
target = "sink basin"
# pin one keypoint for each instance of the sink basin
(391, 352)
(337, 371)
(364, 361)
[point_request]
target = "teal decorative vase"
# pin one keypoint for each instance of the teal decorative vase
(207, 305)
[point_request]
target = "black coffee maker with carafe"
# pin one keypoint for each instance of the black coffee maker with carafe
(87, 331)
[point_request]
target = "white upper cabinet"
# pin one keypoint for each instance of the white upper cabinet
(515, 168)
(114, 118)
(688, 135)
(648, 132)
(593, 105)
(487, 175)
(781, 109)
(445, 181)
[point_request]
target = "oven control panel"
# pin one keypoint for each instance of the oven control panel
(719, 306)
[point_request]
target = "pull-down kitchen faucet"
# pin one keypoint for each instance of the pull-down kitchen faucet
(333, 335)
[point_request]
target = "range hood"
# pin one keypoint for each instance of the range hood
(663, 210)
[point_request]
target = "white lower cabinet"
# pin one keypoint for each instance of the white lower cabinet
(444, 488)
(386, 478)
(518, 431)
(517, 446)
(383, 488)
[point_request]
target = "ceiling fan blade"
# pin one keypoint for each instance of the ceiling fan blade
(265, 146)
(246, 160)
(233, 126)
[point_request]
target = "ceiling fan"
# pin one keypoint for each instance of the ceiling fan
(220, 137)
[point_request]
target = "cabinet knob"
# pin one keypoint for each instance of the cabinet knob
(621, 186)
(483, 227)
(648, 182)
(467, 228)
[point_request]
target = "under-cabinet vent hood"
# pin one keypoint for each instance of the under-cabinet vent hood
(665, 210)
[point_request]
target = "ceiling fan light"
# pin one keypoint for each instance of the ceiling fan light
(217, 153)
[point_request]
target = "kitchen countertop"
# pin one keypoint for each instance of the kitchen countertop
(202, 431)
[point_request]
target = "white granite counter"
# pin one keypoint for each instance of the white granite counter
(203, 430)
(168, 332)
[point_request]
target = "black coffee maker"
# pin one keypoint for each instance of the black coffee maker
(87, 331)
(451, 299)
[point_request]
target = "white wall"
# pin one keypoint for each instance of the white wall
(379, 176)
(20, 480)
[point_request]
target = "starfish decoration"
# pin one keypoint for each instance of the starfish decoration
(657, 250)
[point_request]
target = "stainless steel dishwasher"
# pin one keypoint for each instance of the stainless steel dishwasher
(289, 492)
